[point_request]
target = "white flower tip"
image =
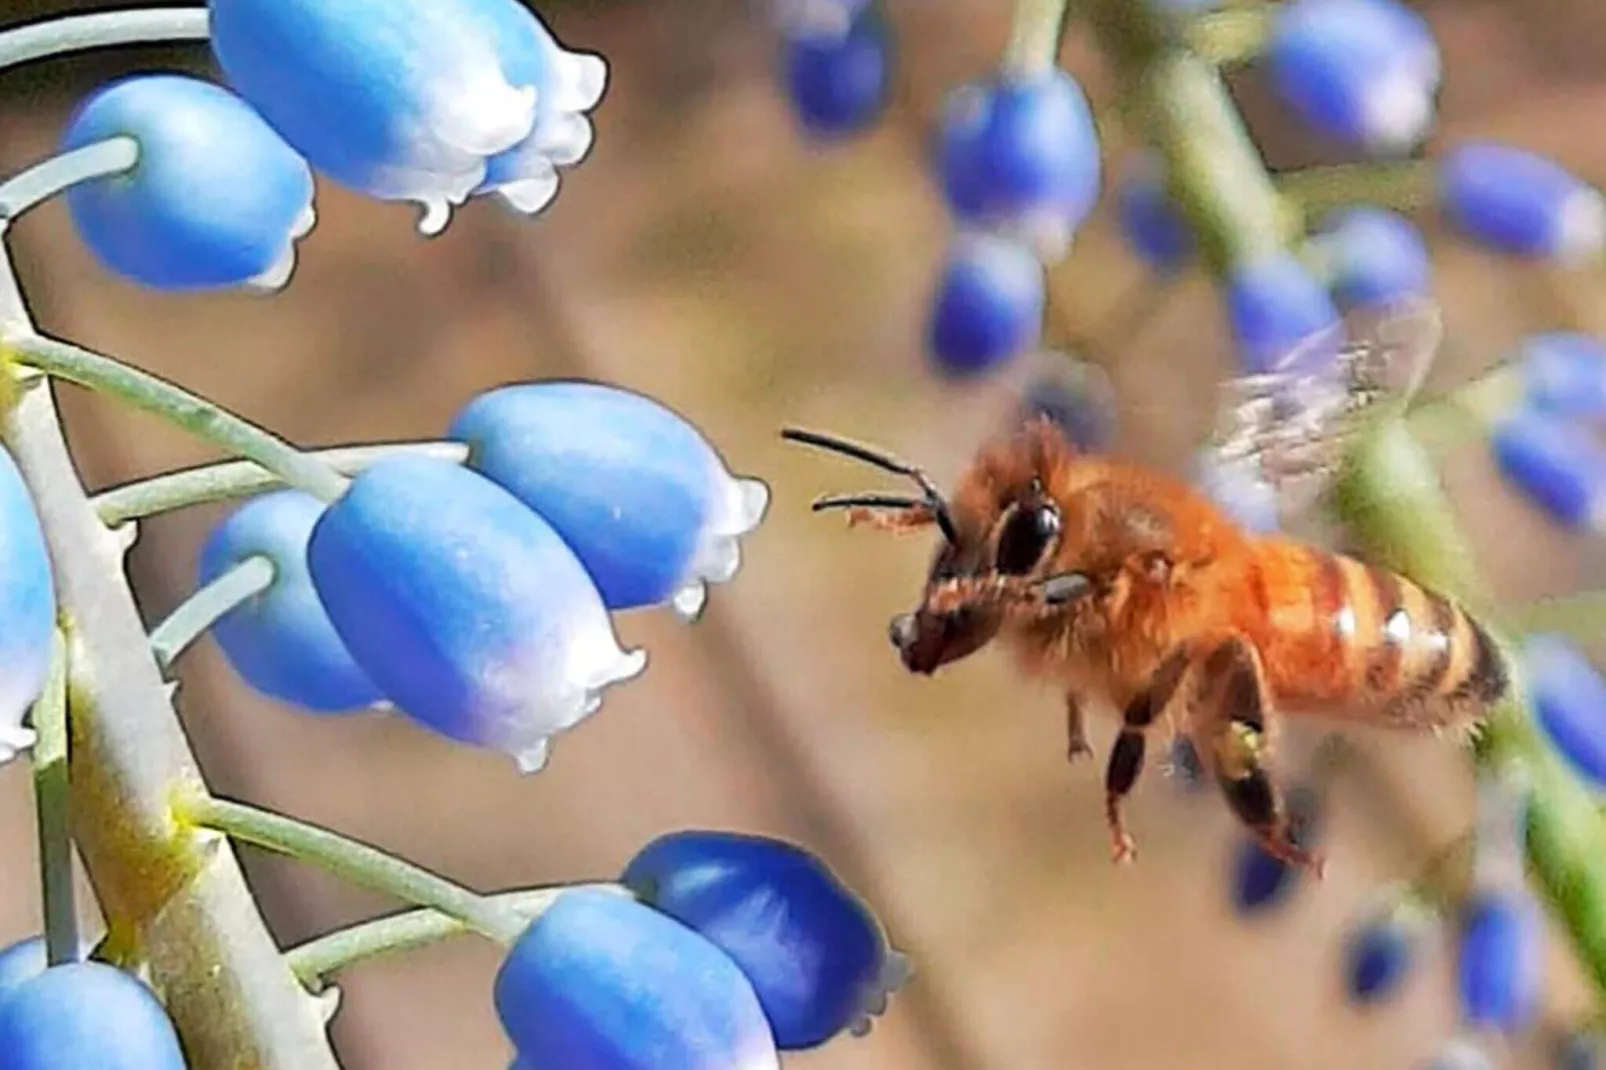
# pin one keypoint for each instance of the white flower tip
(749, 501)
(534, 758)
(437, 212)
(326, 1003)
(383, 706)
(304, 223)
(121, 539)
(815, 19)
(529, 195)
(582, 78)
(896, 970)
(1397, 111)
(627, 665)
(564, 139)
(277, 274)
(170, 689)
(1580, 232)
(1049, 233)
(485, 116)
(14, 739)
(689, 600)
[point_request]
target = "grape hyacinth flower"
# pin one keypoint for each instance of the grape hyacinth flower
(215, 198)
(1019, 155)
(1372, 257)
(1261, 881)
(1153, 226)
(22, 962)
(465, 608)
(1569, 701)
(813, 952)
(1277, 308)
(600, 980)
(989, 304)
(1521, 204)
(27, 608)
(1383, 948)
(86, 1014)
(1076, 395)
(1500, 969)
(1361, 72)
(430, 101)
(1557, 465)
(636, 491)
(1564, 374)
(839, 81)
(280, 640)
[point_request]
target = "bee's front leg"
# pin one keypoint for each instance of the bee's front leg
(1126, 756)
(1077, 745)
(1230, 735)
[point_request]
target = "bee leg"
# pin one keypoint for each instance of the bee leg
(1231, 735)
(1075, 729)
(1126, 756)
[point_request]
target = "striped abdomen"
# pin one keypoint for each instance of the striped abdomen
(1336, 630)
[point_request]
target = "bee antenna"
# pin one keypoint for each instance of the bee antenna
(932, 499)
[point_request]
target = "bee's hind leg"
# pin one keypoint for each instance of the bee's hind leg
(1126, 756)
(1230, 734)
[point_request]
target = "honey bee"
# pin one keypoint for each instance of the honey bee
(1130, 588)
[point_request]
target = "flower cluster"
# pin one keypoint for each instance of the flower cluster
(838, 65)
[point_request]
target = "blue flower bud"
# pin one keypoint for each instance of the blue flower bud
(280, 640)
(1518, 203)
(1021, 157)
(1383, 948)
(1373, 257)
(27, 608)
(1558, 466)
(1276, 306)
(839, 83)
(465, 607)
(1361, 72)
(1564, 374)
(1077, 396)
(428, 101)
(216, 199)
(601, 981)
(989, 305)
(1153, 226)
(22, 961)
(814, 953)
(1260, 881)
(1501, 966)
(634, 489)
(1569, 700)
(86, 1014)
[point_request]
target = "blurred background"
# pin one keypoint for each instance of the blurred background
(710, 256)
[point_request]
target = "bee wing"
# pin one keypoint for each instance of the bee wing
(1288, 427)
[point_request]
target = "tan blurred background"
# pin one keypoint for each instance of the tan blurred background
(708, 256)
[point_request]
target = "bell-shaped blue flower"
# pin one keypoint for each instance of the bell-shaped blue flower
(465, 608)
(1276, 308)
(1373, 258)
(1019, 155)
(1569, 700)
(429, 101)
(1564, 374)
(1521, 204)
(1558, 466)
(635, 490)
(989, 304)
(22, 961)
(215, 198)
(601, 981)
(1361, 72)
(838, 82)
(27, 608)
(86, 1014)
(1259, 881)
(1500, 971)
(1381, 951)
(280, 640)
(813, 952)
(1151, 223)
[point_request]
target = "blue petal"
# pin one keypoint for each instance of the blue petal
(1375, 258)
(1276, 306)
(1558, 466)
(813, 952)
(839, 85)
(1569, 700)
(1521, 204)
(1564, 375)
(215, 200)
(1501, 967)
(634, 489)
(601, 982)
(1022, 157)
(989, 305)
(1381, 952)
(1153, 226)
(465, 607)
(27, 608)
(86, 1015)
(280, 641)
(21, 962)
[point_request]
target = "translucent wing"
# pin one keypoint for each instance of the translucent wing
(1288, 427)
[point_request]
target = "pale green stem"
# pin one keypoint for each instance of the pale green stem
(229, 480)
(353, 861)
(1471, 409)
(319, 959)
(75, 33)
(178, 406)
(1580, 617)
(53, 810)
(202, 609)
(45, 179)
(1405, 186)
(1034, 38)
(1233, 36)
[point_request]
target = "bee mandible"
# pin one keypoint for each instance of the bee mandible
(1131, 589)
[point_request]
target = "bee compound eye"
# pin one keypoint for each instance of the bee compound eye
(1026, 536)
